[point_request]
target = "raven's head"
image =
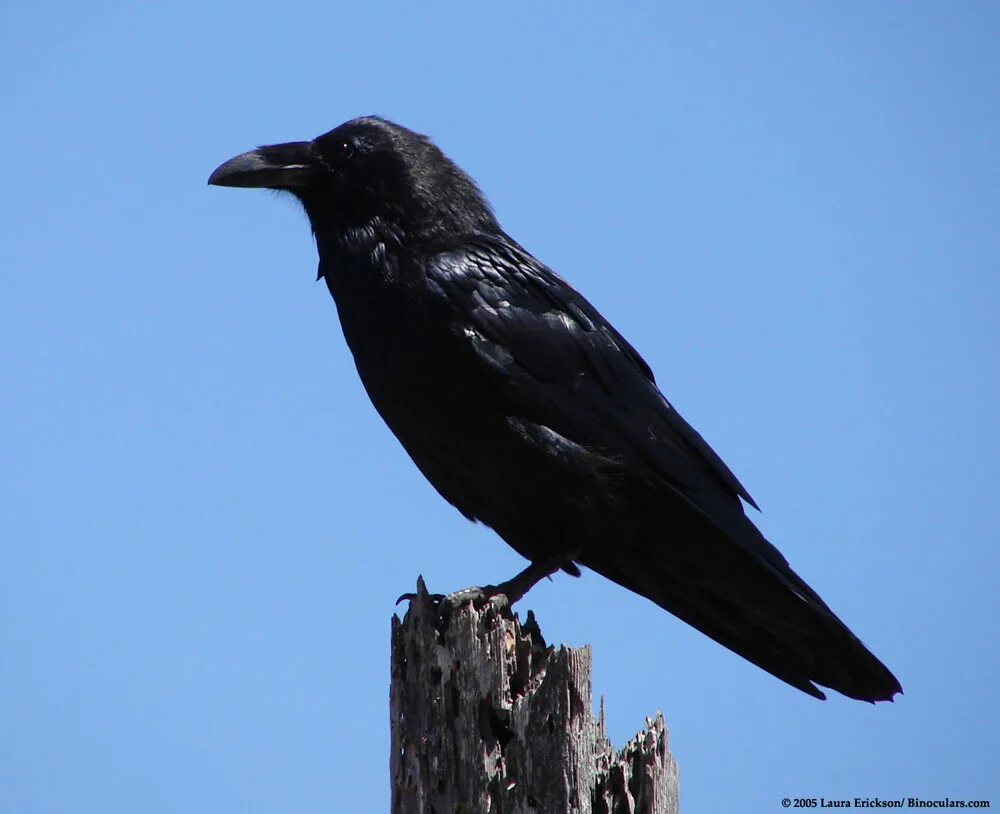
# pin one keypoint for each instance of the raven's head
(368, 173)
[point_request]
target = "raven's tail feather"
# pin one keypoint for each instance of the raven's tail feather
(766, 614)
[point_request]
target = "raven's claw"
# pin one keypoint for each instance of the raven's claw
(437, 599)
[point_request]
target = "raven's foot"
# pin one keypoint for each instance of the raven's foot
(478, 595)
(512, 590)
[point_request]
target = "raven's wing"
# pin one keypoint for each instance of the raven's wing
(574, 373)
(571, 372)
(560, 340)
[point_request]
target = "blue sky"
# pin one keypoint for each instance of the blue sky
(791, 209)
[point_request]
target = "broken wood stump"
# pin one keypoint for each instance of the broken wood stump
(487, 719)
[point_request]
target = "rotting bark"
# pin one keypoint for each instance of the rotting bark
(487, 719)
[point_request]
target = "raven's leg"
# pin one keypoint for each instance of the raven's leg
(517, 586)
(513, 589)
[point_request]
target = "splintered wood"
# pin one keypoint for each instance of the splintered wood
(486, 719)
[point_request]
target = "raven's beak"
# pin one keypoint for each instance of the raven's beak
(278, 166)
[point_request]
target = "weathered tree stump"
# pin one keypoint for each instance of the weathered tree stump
(488, 719)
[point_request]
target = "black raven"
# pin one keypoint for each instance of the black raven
(530, 413)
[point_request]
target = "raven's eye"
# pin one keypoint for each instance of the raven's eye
(346, 149)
